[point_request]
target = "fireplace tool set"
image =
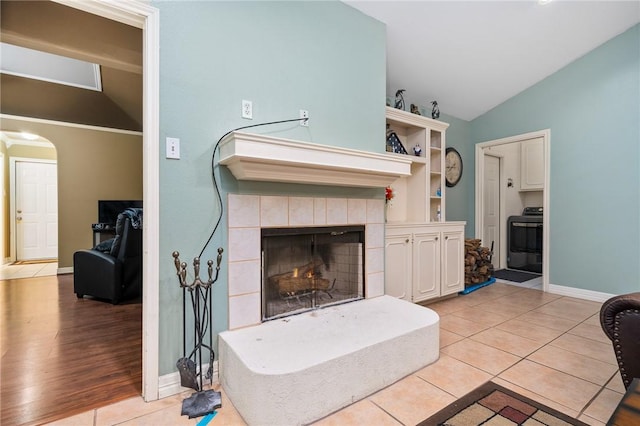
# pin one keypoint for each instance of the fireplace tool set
(201, 402)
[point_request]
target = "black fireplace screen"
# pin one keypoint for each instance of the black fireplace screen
(308, 268)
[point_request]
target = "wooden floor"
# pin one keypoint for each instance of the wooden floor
(62, 355)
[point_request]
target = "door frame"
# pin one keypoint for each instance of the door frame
(13, 237)
(147, 18)
(479, 189)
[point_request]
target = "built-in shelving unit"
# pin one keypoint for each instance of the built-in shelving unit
(417, 197)
(424, 255)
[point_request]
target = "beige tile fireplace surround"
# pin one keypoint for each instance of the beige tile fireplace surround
(248, 213)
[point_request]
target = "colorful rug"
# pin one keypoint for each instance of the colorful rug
(492, 404)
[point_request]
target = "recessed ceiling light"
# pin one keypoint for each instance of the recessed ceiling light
(543, 2)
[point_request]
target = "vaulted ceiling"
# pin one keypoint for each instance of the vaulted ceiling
(468, 55)
(473, 55)
(54, 28)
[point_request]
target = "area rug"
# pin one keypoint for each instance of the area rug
(494, 405)
(515, 276)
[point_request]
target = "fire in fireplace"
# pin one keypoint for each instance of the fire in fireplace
(310, 268)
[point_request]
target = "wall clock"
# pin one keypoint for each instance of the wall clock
(453, 167)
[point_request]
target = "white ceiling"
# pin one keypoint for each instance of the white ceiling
(471, 56)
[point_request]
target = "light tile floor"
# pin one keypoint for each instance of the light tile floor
(544, 346)
(30, 270)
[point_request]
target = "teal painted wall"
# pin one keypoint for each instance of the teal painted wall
(325, 57)
(592, 107)
(459, 199)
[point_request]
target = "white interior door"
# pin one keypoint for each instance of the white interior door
(491, 205)
(36, 210)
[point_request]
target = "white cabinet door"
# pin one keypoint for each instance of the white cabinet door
(452, 262)
(532, 165)
(426, 266)
(397, 276)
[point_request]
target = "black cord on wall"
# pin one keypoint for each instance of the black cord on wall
(213, 174)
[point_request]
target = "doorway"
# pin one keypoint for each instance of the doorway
(145, 17)
(508, 150)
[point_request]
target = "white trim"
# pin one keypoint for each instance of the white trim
(131, 13)
(65, 270)
(65, 124)
(479, 152)
(169, 384)
(143, 16)
(12, 197)
(580, 293)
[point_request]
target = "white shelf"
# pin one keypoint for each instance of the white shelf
(415, 196)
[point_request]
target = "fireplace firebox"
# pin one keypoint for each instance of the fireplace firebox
(310, 268)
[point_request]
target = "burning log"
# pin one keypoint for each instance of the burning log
(302, 279)
(477, 262)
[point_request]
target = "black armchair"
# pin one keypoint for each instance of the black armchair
(117, 274)
(620, 320)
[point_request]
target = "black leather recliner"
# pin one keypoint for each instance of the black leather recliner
(116, 275)
(620, 320)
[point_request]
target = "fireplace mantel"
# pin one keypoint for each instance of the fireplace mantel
(257, 157)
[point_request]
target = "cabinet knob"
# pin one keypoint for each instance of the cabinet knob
(446, 237)
(436, 238)
(406, 241)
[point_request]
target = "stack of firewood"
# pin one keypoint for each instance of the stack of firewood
(477, 262)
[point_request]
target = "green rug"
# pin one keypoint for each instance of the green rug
(494, 405)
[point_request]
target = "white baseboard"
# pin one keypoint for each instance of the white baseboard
(580, 293)
(65, 270)
(169, 384)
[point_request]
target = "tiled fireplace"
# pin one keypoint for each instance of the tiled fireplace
(274, 371)
(248, 214)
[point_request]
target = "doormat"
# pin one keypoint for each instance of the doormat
(494, 404)
(515, 276)
(34, 262)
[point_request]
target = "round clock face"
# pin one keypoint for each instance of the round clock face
(453, 167)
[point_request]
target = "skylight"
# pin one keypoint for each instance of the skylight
(29, 63)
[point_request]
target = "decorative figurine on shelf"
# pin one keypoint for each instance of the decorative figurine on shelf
(417, 150)
(394, 145)
(415, 109)
(400, 99)
(438, 192)
(435, 111)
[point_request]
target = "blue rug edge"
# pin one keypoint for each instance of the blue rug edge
(474, 287)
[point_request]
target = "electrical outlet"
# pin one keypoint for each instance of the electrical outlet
(304, 114)
(247, 110)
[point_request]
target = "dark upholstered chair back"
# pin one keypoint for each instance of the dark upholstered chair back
(116, 275)
(620, 320)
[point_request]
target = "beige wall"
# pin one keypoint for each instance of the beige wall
(92, 165)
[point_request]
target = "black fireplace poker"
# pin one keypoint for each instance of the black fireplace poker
(201, 402)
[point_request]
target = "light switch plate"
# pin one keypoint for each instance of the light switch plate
(173, 148)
